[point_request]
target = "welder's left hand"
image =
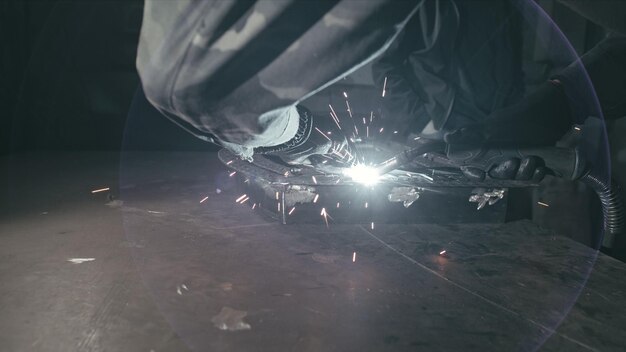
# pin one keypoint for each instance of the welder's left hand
(530, 168)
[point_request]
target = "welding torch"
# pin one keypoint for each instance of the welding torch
(563, 162)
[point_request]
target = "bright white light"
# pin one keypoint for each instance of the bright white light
(363, 174)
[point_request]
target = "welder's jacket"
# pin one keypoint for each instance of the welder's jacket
(232, 71)
(454, 63)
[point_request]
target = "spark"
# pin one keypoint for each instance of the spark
(356, 130)
(348, 153)
(232, 174)
(317, 196)
(276, 195)
(364, 121)
(353, 257)
(371, 116)
(80, 260)
(416, 138)
(325, 215)
(381, 130)
(543, 204)
(427, 177)
(253, 205)
(229, 162)
(184, 287)
(363, 174)
(279, 207)
(335, 120)
(367, 131)
(292, 209)
(245, 200)
(333, 114)
(337, 204)
(240, 198)
(577, 128)
(366, 205)
(372, 225)
(345, 95)
(442, 252)
(314, 179)
(395, 132)
(322, 133)
(100, 190)
(337, 153)
(348, 109)
(384, 87)
(204, 199)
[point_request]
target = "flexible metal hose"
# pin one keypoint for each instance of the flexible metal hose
(612, 207)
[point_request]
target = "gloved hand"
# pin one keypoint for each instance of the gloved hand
(530, 168)
(316, 136)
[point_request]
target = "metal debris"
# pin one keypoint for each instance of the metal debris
(231, 319)
(483, 197)
(406, 195)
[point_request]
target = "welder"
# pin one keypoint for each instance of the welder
(234, 72)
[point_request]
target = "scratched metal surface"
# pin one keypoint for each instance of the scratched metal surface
(498, 287)
(171, 272)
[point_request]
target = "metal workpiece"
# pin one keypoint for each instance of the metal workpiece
(399, 197)
(483, 197)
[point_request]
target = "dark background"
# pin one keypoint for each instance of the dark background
(68, 79)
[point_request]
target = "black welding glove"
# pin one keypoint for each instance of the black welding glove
(315, 137)
(530, 168)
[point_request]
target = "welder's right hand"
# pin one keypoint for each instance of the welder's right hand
(316, 137)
